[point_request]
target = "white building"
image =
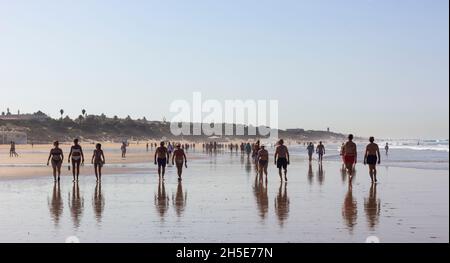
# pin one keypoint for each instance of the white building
(7, 137)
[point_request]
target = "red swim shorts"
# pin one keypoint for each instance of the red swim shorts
(349, 159)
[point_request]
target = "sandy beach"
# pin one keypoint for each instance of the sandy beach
(220, 200)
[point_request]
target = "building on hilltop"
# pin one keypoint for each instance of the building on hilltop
(8, 116)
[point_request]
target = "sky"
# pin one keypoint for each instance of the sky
(374, 67)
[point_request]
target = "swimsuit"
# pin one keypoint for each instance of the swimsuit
(349, 159)
(162, 162)
(263, 162)
(372, 159)
(98, 158)
(282, 163)
(76, 158)
(56, 157)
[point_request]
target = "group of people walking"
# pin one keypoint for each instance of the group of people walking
(258, 152)
(75, 160)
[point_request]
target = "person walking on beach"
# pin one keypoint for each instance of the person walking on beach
(12, 150)
(98, 160)
(146, 147)
(123, 149)
(179, 158)
(263, 160)
(282, 159)
(320, 150)
(161, 159)
(386, 148)
(248, 149)
(350, 154)
(310, 150)
(372, 157)
(77, 157)
(170, 149)
(57, 157)
(255, 154)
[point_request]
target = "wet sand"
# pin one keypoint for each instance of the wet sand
(222, 200)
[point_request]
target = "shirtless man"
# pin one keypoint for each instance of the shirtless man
(77, 157)
(162, 159)
(310, 150)
(350, 154)
(372, 157)
(282, 159)
(179, 157)
(263, 160)
(320, 150)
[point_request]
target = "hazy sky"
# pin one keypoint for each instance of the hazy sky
(377, 67)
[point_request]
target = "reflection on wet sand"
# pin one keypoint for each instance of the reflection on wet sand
(56, 204)
(310, 174)
(350, 208)
(343, 174)
(372, 207)
(162, 200)
(179, 201)
(320, 174)
(98, 202)
(76, 205)
(282, 204)
(262, 199)
(248, 166)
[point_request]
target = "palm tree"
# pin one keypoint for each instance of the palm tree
(83, 111)
(62, 113)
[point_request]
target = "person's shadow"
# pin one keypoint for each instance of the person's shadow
(98, 202)
(372, 207)
(56, 204)
(350, 208)
(179, 201)
(76, 205)
(260, 192)
(282, 204)
(162, 200)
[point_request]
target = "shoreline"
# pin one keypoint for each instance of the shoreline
(32, 160)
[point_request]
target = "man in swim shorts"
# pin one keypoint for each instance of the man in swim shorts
(320, 150)
(310, 150)
(179, 158)
(161, 159)
(372, 157)
(350, 154)
(281, 159)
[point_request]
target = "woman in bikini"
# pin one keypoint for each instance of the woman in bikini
(57, 157)
(77, 157)
(98, 159)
